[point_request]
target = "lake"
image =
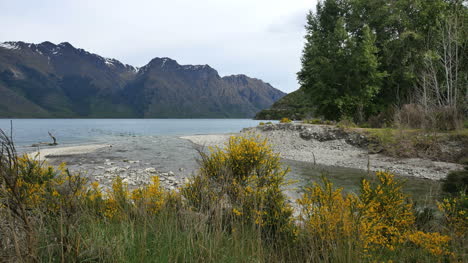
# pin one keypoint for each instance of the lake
(83, 131)
(156, 141)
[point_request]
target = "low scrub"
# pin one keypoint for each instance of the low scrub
(285, 120)
(440, 118)
(410, 143)
(233, 210)
(318, 121)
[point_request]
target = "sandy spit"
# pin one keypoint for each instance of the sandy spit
(47, 153)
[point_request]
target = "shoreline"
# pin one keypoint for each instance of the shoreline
(322, 148)
(135, 159)
(124, 158)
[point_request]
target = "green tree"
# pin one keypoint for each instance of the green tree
(362, 57)
(325, 57)
(364, 80)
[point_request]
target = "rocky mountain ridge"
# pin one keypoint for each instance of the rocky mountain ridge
(49, 80)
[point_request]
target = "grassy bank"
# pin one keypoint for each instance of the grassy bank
(448, 146)
(233, 210)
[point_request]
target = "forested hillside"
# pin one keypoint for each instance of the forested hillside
(296, 105)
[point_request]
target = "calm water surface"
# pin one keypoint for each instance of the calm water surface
(161, 139)
(78, 131)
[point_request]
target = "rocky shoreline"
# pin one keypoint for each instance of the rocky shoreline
(135, 160)
(329, 145)
(136, 177)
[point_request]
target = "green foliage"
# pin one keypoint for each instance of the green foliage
(456, 182)
(313, 121)
(363, 57)
(296, 106)
(318, 121)
(346, 122)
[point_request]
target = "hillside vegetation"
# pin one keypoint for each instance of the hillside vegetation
(296, 106)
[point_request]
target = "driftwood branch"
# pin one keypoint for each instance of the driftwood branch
(47, 143)
(53, 138)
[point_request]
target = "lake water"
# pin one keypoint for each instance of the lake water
(79, 131)
(157, 142)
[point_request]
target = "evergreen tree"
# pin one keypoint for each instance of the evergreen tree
(364, 79)
(325, 57)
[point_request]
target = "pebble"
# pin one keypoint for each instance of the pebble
(150, 170)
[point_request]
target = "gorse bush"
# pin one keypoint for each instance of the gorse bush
(455, 212)
(385, 215)
(285, 120)
(244, 178)
(378, 224)
(327, 217)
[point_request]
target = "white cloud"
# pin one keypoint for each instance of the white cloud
(259, 38)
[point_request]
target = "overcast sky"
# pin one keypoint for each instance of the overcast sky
(259, 38)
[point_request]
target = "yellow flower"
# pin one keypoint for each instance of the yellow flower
(236, 212)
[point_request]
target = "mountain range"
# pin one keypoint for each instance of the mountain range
(49, 80)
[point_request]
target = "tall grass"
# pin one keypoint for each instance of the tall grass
(232, 211)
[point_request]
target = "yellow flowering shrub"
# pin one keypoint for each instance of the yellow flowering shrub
(455, 212)
(285, 120)
(435, 243)
(66, 192)
(117, 199)
(94, 192)
(385, 215)
(28, 182)
(245, 176)
(36, 186)
(149, 198)
(378, 219)
(198, 193)
(327, 214)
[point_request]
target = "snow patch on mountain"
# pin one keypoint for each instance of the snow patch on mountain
(194, 67)
(9, 45)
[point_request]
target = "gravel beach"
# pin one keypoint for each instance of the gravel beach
(173, 159)
(324, 147)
